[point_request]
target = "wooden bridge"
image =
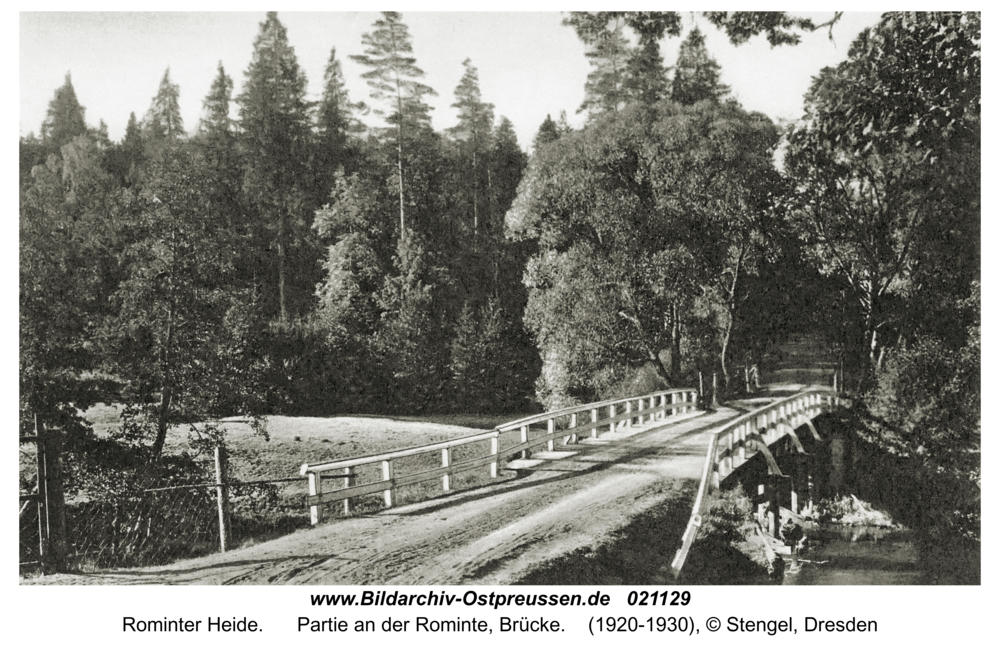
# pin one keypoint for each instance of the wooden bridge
(775, 427)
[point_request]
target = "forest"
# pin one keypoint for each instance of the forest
(284, 257)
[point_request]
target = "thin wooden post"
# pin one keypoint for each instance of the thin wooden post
(611, 426)
(348, 482)
(445, 463)
(701, 385)
(641, 417)
(526, 453)
(551, 445)
(387, 475)
(222, 495)
(715, 390)
(572, 425)
(628, 411)
(746, 377)
(40, 504)
(593, 420)
(495, 452)
(55, 499)
(673, 403)
(315, 489)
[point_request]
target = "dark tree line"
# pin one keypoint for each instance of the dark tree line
(279, 257)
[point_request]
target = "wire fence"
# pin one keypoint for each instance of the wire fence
(131, 520)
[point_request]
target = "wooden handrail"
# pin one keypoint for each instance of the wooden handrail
(796, 408)
(655, 406)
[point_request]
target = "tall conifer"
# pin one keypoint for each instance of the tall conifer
(274, 117)
(64, 120)
(392, 77)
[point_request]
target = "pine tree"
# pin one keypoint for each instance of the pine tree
(163, 121)
(392, 77)
(609, 53)
(64, 120)
(216, 120)
(475, 122)
(696, 75)
(335, 123)
(274, 117)
(646, 79)
(547, 132)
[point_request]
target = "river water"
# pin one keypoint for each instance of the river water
(859, 556)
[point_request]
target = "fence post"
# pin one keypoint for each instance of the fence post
(445, 463)
(222, 495)
(387, 475)
(495, 452)
(348, 482)
(54, 499)
(525, 454)
(612, 410)
(715, 390)
(551, 445)
(628, 411)
(572, 425)
(593, 419)
(315, 489)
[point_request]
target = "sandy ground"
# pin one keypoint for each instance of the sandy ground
(552, 504)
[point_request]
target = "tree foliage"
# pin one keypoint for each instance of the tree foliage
(163, 121)
(64, 119)
(886, 164)
(696, 73)
(275, 124)
(640, 218)
(393, 78)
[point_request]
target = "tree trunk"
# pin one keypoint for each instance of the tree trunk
(675, 340)
(162, 422)
(167, 393)
(282, 305)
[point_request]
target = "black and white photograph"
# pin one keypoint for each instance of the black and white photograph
(641, 301)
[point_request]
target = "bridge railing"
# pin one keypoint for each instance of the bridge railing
(737, 441)
(519, 437)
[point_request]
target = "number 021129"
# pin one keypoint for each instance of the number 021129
(659, 598)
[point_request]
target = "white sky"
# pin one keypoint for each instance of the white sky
(529, 64)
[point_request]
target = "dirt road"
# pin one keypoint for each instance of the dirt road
(557, 502)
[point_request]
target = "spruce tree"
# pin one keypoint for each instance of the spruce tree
(696, 75)
(274, 118)
(215, 106)
(547, 132)
(609, 53)
(163, 121)
(475, 122)
(393, 78)
(335, 123)
(64, 120)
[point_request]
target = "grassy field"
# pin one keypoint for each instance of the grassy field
(294, 441)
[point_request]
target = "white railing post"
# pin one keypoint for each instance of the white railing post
(315, 489)
(348, 482)
(593, 420)
(551, 445)
(572, 425)
(495, 452)
(445, 463)
(387, 474)
(641, 417)
(525, 454)
(628, 411)
(612, 410)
